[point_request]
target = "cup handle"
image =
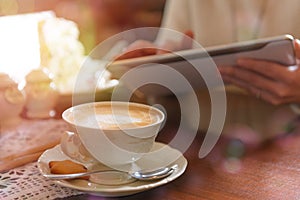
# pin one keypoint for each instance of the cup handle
(72, 147)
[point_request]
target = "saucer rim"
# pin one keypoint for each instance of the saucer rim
(121, 190)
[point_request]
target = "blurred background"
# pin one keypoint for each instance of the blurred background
(96, 19)
(51, 42)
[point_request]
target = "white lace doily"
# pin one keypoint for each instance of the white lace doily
(26, 182)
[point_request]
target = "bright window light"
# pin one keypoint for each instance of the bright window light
(19, 43)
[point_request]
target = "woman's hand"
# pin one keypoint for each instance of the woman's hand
(139, 48)
(145, 48)
(272, 82)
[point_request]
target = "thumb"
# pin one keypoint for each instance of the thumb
(297, 48)
(187, 40)
(189, 33)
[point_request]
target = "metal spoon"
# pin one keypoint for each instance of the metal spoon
(153, 175)
(140, 175)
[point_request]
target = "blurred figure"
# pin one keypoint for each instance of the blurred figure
(218, 22)
(221, 22)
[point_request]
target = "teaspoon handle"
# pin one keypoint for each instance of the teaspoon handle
(72, 176)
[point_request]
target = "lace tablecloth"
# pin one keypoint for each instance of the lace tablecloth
(27, 140)
(26, 182)
(20, 147)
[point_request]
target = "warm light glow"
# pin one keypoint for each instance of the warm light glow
(19, 39)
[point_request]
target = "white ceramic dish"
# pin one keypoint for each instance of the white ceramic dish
(123, 189)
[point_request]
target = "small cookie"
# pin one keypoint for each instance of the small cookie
(66, 167)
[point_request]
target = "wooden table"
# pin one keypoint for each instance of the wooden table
(270, 171)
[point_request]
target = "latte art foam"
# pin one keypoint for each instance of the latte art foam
(113, 117)
(117, 118)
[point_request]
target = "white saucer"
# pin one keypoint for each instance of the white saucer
(56, 154)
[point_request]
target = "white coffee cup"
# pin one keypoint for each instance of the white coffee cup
(114, 133)
(72, 146)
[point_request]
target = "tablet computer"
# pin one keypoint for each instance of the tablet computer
(278, 49)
